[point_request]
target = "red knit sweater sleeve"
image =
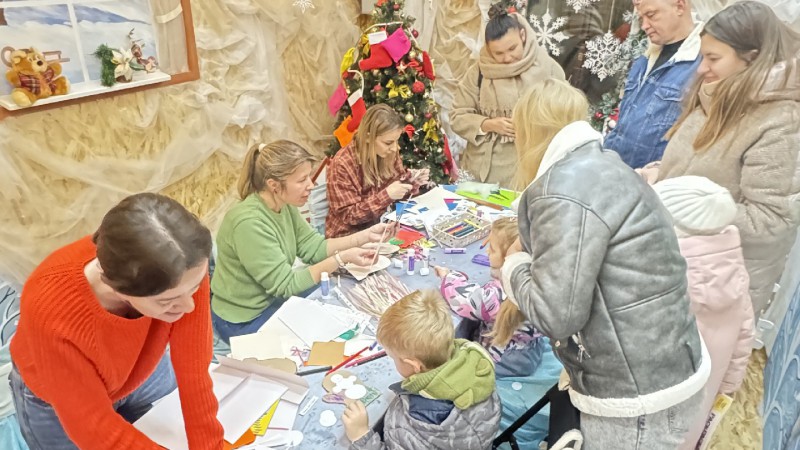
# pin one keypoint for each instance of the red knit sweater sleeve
(191, 350)
(77, 394)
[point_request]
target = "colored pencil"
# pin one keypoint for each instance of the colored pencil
(313, 371)
(366, 359)
(485, 242)
(350, 358)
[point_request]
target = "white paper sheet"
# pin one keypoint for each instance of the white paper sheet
(307, 319)
(265, 344)
(242, 407)
(284, 416)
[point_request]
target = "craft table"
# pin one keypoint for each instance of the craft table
(380, 373)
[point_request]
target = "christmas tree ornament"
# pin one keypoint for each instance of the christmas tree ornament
(418, 87)
(412, 54)
(548, 32)
(409, 129)
(377, 88)
(376, 72)
(415, 33)
(401, 68)
(378, 58)
(337, 100)
(409, 117)
(602, 53)
(348, 60)
(358, 107)
(578, 5)
(427, 66)
(401, 90)
(343, 134)
(397, 44)
(428, 115)
(303, 5)
(380, 3)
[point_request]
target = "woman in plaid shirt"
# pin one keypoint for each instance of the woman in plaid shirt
(367, 176)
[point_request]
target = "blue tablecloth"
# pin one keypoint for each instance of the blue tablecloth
(381, 373)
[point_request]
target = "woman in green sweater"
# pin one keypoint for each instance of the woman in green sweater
(261, 236)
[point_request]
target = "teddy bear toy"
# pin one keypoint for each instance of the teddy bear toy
(33, 78)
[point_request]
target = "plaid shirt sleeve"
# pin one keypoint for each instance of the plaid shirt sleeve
(350, 206)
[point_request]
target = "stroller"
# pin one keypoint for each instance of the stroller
(564, 425)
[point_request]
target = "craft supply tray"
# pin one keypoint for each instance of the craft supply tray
(482, 227)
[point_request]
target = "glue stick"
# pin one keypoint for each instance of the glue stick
(425, 270)
(410, 262)
(455, 250)
(325, 285)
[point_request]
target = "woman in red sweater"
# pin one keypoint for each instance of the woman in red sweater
(90, 353)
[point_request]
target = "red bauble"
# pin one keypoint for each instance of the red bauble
(380, 3)
(415, 33)
(512, 10)
(396, 6)
(418, 87)
(598, 115)
(428, 116)
(346, 75)
(377, 88)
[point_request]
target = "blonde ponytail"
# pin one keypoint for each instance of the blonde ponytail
(508, 319)
(274, 161)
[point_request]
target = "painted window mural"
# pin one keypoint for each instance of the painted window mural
(70, 33)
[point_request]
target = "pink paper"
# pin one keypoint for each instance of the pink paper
(337, 99)
(397, 45)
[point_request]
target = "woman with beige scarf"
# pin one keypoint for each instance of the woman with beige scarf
(510, 61)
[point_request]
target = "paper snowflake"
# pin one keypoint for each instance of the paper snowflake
(548, 31)
(578, 5)
(602, 54)
(630, 17)
(303, 5)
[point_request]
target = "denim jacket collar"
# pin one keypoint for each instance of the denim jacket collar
(688, 51)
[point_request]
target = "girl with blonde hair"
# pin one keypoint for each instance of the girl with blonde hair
(367, 176)
(741, 129)
(600, 273)
(261, 236)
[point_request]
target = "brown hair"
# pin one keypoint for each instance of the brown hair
(274, 161)
(759, 38)
(379, 119)
(500, 23)
(419, 326)
(147, 242)
(504, 232)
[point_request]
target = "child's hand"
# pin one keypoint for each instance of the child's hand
(441, 272)
(355, 420)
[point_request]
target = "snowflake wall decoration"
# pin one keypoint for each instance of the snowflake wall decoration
(548, 31)
(303, 5)
(630, 17)
(602, 54)
(578, 5)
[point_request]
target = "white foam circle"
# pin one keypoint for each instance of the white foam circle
(327, 418)
(356, 392)
(297, 436)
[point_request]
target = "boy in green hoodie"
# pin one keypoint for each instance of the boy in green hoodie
(447, 399)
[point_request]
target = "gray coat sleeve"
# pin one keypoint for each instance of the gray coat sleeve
(553, 284)
(370, 441)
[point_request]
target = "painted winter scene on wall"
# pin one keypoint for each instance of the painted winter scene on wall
(70, 33)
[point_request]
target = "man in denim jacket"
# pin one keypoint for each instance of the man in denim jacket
(657, 81)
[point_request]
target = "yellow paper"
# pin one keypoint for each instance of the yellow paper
(261, 425)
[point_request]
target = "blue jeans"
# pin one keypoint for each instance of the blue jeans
(225, 330)
(43, 431)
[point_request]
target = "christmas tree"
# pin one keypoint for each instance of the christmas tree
(387, 66)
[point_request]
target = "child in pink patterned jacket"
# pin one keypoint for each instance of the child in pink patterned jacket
(702, 212)
(514, 344)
